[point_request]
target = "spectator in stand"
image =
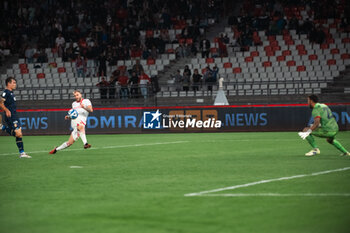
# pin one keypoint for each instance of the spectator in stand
(154, 52)
(103, 85)
(102, 66)
(134, 85)
(42, 57)
(60, 44)
(111, 86)
(123, 81)
(186, 80)
(187, 69)
(29, 54)
(178, 80)
(222, 46)
(196, 80)
(144, 80)
(215, 73)
(180, 51)
(80, 66)
(208, 78)
(69, 54)
(204, 47)
(137, 68)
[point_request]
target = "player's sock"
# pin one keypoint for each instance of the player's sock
(311, 140)
(63, 146)
(19, 143)
(339, 146)
(83, 137)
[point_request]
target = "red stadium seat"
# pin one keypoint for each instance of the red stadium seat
(23, 66)
(267, 48)
(345, 56)
(334, 51)
(267, 64)
(331, 62)
(248, 59)
(345, 40)
(281, 58)
(209, 60)
(170, 51)
(237, 70)
(274, 43)
(302, 52)
(228, 65)
(313, 57)
(40, 75)
(270, 53)
(24, 71)
(61, 70)
(275, 48)
(151, 61)
(300, 47)
(286, 53)
(213, 50)
(189, 41)
(254, 53)
(291, 63)
(301, 68)
(271, 38)
(289, 42)
(330, 41)
(324, 46)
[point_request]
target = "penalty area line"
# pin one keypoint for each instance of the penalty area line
(277, 195)
(105, 147)
(265, 181)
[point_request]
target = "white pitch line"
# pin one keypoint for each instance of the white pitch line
(105, 147)
(278, 195)
(265, 181)
(75, 167)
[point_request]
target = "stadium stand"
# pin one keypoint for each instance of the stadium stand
(261, 52)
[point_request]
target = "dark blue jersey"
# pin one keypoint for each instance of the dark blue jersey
(10, 102)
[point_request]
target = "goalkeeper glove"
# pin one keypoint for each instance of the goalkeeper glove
(304, 135)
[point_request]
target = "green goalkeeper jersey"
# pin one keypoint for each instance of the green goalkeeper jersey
(328, 121)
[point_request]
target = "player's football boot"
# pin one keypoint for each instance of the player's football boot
(24, 155)
(345, 154)
(53, 151)
(313, 152)
(87, 145)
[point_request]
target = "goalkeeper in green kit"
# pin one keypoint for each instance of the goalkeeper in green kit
(324, 126)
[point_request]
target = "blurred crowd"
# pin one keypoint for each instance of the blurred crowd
(95, 28)
(274, 17)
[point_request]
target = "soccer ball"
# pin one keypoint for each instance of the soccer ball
(73, 114)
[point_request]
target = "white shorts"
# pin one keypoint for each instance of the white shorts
(75, 123)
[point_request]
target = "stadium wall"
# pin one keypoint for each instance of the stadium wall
(131, 120)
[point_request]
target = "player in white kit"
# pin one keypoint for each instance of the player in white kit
(83, 107)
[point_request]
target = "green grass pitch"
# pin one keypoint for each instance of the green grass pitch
(137, 183)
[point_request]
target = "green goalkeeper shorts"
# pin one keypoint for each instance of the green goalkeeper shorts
(324, 133)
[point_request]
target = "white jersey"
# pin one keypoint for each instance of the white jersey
(82, 113)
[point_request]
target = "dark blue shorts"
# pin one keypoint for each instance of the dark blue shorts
(13, 123)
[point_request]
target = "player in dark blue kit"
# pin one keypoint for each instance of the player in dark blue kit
(12, 125)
